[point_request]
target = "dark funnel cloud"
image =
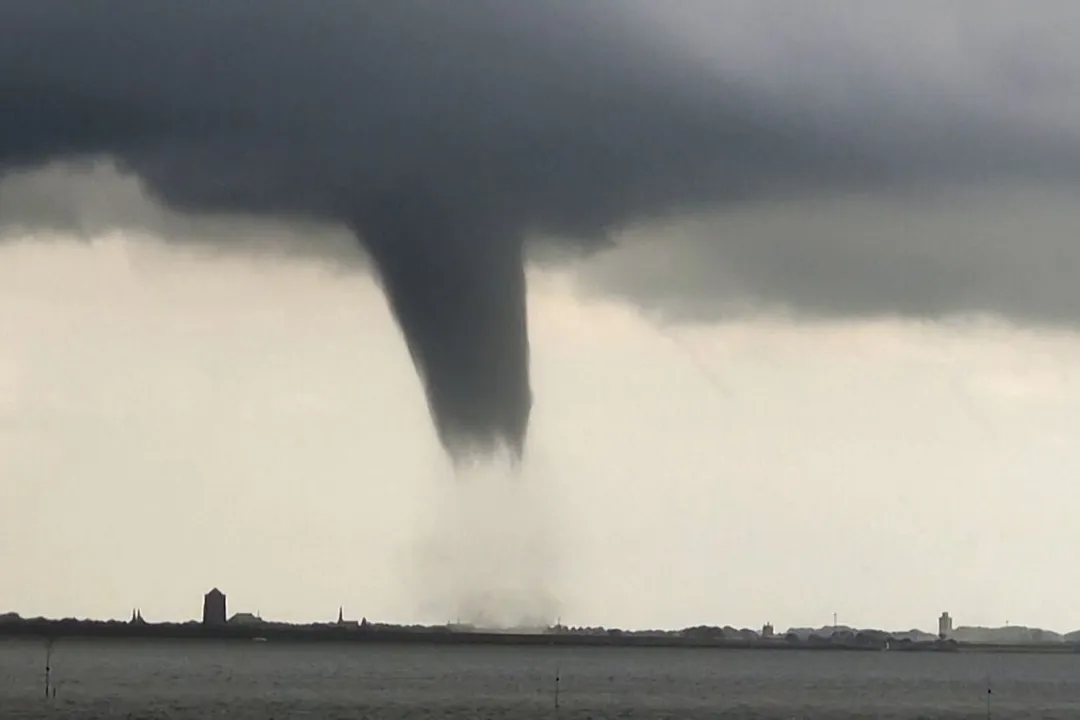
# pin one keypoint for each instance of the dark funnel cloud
(447, 135)
(457, 286)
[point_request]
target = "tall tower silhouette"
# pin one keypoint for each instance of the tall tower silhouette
(214, 608)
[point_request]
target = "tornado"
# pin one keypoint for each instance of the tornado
(456, 286)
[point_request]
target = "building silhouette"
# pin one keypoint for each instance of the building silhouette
(343, 623)
(944, 626)
(245, 618)
(213, 613)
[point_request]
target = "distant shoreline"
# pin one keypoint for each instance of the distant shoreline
(306, 634)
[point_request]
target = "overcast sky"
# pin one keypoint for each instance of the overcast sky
(803, 316)
(172, 423)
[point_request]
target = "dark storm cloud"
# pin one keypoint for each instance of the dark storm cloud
(974, 108)
(446, 134)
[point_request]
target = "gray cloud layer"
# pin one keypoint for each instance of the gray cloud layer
(446, 134)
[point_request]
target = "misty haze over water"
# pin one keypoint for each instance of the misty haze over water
(256, 680)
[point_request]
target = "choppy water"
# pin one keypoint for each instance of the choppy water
(267, 680)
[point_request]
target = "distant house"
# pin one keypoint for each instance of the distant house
(214, 608)
(245, 619)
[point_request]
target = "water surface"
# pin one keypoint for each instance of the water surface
(207, 679)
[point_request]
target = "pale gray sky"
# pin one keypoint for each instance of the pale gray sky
(171, 422)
